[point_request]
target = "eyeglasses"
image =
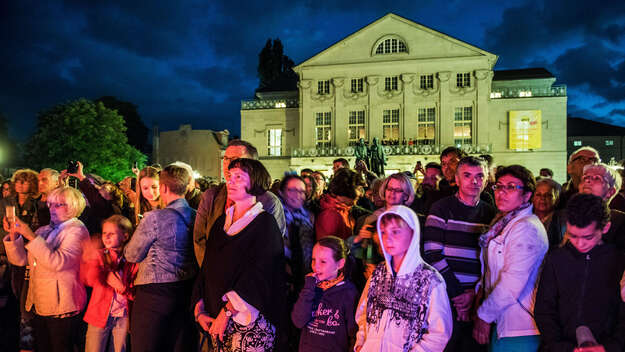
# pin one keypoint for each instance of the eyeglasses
(394, 190)
(593, 179)
(295, 190)
(507, 188)
(56, 205)
(586, 159)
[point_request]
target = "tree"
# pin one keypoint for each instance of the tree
(9, 151)
(275, 70)
(136, 131)
(86, 131)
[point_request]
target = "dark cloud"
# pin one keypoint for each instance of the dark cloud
(192, 61)
(618, 112)
(588, 66)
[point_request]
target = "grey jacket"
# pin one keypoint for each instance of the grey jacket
(163, 245)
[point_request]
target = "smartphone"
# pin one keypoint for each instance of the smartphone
(72, 167)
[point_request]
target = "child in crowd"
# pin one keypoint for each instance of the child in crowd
(404, 306)
(110, 276)
(325, 307)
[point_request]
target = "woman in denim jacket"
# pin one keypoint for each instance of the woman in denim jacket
(162, 245)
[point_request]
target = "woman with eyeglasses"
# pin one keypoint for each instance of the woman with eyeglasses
(53, 252)
(299, 241)
(512, 252)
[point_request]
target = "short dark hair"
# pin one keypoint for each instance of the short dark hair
(249, 148)
(176, 178)
(520, 172)
(345, 182)
(546, 170)
(343, 162)
(260, 181)
(455, 150)
(583, 209)
(310, 171)
(433, 165)
(472, 161)
(488, 158)
(285, 180)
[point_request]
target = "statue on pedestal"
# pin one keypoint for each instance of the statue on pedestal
(362, 152)
(378, 159)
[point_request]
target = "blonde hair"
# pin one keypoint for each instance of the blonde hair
(72, 197)
(406, 186)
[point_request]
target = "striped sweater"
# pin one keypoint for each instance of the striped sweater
(450, 241)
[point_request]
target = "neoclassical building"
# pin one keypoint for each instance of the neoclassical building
(419, 91)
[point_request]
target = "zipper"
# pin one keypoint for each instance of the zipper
(583, 296)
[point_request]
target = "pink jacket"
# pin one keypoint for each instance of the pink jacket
(93, 273)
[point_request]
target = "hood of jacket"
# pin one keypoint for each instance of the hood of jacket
(412, 259)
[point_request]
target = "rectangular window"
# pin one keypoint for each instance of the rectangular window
(463, 118)
(609, 142)
(356, 126)
(274, 142)
(323, 129)
(463, 80)
(323, 87)
(426, 120)
(427, 82)
(357, 85)
(390, 83)
(390, 125)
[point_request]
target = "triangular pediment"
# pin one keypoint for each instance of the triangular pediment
(421, 43)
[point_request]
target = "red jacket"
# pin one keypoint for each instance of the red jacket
(334, 218)
(93, 273)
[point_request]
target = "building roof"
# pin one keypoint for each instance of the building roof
(417, 25)
(577, 126)
(524, 73)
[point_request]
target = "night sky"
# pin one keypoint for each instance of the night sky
(193, 61)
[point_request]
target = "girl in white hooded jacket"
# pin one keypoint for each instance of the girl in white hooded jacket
(404, 306)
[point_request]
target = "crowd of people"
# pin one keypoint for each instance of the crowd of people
(461, 255)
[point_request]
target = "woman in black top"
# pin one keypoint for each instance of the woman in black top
(239, 295)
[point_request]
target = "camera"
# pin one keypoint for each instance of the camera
(72, 166)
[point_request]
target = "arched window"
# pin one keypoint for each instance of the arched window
(391, 46)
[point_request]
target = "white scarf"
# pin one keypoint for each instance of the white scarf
(232, 228)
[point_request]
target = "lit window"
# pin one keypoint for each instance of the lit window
(323, 129)
(274, 142)
(577, 143)
(525, 93)
(357, 85)
(426, 118)
(356, 126)
(323, 87)
(280, 105)
(390, 83)
(390, 125)
(391, 46)
(609, 142)
(495, 95)
(463, 80)
(463, 119)
(427, 82)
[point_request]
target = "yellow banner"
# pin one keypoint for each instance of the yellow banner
(525, 129)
